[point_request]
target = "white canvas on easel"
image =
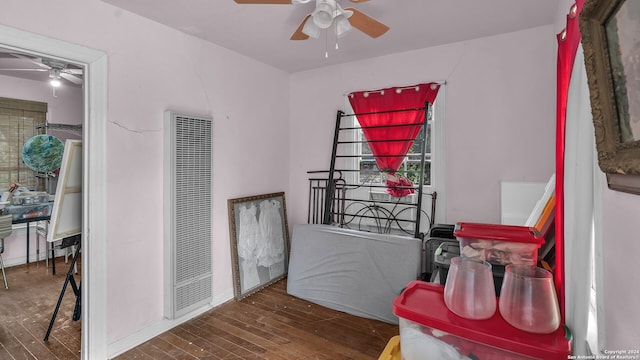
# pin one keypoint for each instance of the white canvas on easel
(66, 215)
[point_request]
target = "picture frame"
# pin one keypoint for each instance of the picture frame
(609, 31)
(259, 242)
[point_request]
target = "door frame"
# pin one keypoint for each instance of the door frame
(94, 212)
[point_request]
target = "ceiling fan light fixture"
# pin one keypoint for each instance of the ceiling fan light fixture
(311, 29)
(343, 26)
(54, 75)
(323, 15)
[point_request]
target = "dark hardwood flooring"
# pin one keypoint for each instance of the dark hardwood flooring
(269, 324)
(26, 309)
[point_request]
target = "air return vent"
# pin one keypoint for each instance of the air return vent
(187, 212)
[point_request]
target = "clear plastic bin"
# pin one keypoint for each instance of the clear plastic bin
(22, 212)
(499, 244)
(429, 330)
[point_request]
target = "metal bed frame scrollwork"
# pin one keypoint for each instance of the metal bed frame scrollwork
(336, 199)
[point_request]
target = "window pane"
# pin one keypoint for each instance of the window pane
(369, 172)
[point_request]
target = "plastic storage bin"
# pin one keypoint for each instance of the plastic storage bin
(499, 244)
(392, 350)
(428, 330)
(21, 212)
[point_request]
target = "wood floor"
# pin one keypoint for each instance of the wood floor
(26, 309)
(270, 325)
(267, 325)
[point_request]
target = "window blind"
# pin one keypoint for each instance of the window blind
(19, 121)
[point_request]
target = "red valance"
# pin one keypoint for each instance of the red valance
(378, 110)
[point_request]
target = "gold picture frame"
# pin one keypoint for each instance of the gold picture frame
(259, 242)
(609, 31)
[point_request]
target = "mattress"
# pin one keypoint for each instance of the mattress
(356, 272)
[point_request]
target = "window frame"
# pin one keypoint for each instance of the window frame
(596, 335)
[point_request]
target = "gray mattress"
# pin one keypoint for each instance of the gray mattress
(353, 271)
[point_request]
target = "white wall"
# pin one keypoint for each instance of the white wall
(500, 115)
(63, 108)
(153, 68)
(621, 273)
(621, 246)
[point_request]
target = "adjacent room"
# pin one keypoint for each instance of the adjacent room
(239, 195)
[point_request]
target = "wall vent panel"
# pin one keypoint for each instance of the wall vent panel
(187, 212)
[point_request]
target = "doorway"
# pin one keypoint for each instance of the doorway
(94, 213)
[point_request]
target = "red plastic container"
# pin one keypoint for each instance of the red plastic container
(428, 329)
(499, 244)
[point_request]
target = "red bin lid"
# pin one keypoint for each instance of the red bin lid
(523, 234)
(423, 303)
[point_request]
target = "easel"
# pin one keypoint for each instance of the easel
(70, 241)
(66, 222)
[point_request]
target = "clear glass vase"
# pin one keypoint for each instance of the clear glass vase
(528, 299)
(469, 290)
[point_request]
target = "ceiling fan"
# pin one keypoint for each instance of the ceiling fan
(326, 14)
(56, 69)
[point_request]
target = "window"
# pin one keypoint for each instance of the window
(19, 121)
(369, 173)
(367, 183)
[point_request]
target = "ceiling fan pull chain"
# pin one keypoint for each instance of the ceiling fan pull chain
(335, 28)
(326, 46)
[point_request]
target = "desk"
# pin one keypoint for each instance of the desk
(28, 221)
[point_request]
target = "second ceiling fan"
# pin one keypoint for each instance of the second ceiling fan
(329, 13)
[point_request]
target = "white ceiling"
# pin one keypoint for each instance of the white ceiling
(262, 31)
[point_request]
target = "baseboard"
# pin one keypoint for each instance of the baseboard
(125, 344)
(34, 258)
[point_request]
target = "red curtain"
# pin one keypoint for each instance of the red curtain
(568, 41)
(368, 106)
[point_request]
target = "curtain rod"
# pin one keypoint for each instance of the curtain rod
(439, 82)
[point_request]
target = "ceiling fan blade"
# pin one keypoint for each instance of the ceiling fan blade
(299, 35)
(262, 1)
(74, 79)
(367, 24)
(46, 67)
(72, 71)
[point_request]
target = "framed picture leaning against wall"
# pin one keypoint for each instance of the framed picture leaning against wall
(259, 242)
